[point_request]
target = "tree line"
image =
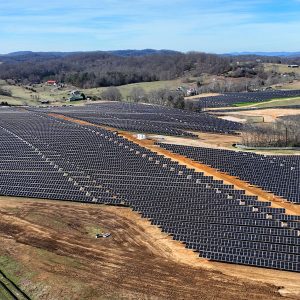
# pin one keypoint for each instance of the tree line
(281, 133)
(164, 97)
(89, 70)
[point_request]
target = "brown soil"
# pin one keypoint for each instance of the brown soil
(53, 245)
(201, 96)
(206, 140)
(269, 115)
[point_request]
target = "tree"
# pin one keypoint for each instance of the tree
(167, 98)
(111, 94)
(4, 92)
(282, 133)
(138, 94)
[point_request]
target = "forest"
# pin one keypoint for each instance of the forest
(102, 69)
(285, 132)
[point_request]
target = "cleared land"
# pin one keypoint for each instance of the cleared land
(23, 96)
(268, 115)
(280, 68)
(271, 103)
(292, 86)
(48, 248)
(209, 140)
(279, 102)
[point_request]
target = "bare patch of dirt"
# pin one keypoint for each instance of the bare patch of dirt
(201, 96)
(268, 115)
(234, 119)
(46, 247)
(207, 140)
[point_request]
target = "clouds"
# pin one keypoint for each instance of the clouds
(204, 25)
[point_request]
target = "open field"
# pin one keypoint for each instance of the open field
(208, 140)
(23, 96)
(268, 115)
(280, 102)
(43, 242)
(280, 68)
(202, 96)
(292, 86)
(147, 86)
(266, 104)
(272, 103)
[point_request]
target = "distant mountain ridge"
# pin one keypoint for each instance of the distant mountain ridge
(127, 52)
(279, 54)
(24, 55)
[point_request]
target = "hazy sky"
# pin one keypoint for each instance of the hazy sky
(203, 25)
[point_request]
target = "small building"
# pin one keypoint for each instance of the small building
(141, 136)
(76, 96)
(293, 66)
(51, 82)
(191, 92)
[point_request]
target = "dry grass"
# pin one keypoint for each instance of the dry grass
(280, 68)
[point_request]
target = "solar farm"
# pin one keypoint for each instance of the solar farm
(230, 99)
(224, 207)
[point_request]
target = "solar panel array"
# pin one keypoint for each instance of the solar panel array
(48, 158)
(229, 99)
(278, 174)
(149, 118)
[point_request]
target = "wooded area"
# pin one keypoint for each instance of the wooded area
(102, 69)
(90, 70)
(282, 133)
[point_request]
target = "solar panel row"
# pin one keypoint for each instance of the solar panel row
(277, 174)
(149, 118)
(229, 99)
(54, 159)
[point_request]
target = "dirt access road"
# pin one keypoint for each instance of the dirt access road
(49, 250)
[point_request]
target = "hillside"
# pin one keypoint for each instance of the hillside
(100, 69)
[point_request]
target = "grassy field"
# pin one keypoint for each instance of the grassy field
(292, 86)
(147, 86)
(280, 68)
(280, 102)
(271, 103)
(23, 96)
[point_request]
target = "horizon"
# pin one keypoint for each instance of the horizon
(215, 26)
(258, 53)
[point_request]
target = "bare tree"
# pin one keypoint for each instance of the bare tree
(111, 94)
(282, 133)
(138, 94)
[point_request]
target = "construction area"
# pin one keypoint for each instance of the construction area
(158, 216)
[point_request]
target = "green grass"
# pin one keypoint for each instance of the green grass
(16, 273)
(4, 295)
(147, 86)
(241, 104)
(11, 268)
(55, 259)
(280, 102)
(93, 230)
(280, 68)
(271, 103)
(23, 96)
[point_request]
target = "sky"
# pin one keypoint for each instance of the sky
(216, 26)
